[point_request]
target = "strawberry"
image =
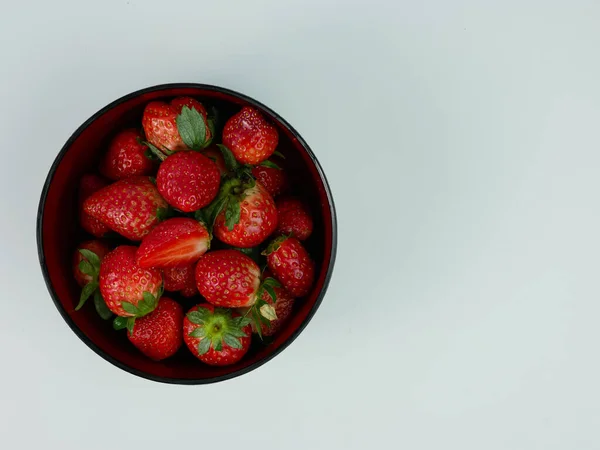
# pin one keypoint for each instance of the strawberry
(249, 136)
(281, 311)
(216, 336)
(159, 334)
(273, 179)
(181, 279)
(248, 215)
(126, 157)
(188, 180)
(176, 242)
(131, 207)
(129, 290)
(216, 156)
(181, 125)
(291, 264)
(228, 278)
(294, 218)
(86, 267)
(87, 186)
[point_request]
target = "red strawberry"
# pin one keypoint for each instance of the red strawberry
(159, 334)
(274, 180)
(97, 248)
(87, 186)
(176, 242)
(291, 264)
(282, 307)
(294, 218)
(216, 336)
(163, 129)
(131, 207)
(250, 137)
(216, 156)
(86, 268)
(128, 290)
(228, 278)
(126, 157)
(188, 180)
(181, 279)
(249, 217)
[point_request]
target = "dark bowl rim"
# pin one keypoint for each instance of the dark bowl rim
(87, 340)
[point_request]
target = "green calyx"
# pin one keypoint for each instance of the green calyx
(228, 200)
(275, 244)
(217, 329)
(154, 153)
(90, 266)
(263, 312)
(143, 308)
(192, 128)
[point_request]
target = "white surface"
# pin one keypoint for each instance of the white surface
(461, 140)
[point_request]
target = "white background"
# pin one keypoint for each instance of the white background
(462, 143)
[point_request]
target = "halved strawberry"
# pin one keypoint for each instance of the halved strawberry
(176, 242)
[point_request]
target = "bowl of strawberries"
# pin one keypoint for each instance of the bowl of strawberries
(186, 233)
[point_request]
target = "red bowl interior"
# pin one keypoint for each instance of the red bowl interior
(59, 233)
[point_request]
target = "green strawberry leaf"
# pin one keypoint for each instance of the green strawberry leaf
(236, 332)
(199, 317)
(270, 164)
(164, 213)
(257, 322)
(87, 290)
(232, 214)
(119, 323)
(232, 341)
(150, 155)
(213, 132)
(152, 180)
(270, 291)
(150, 300)
(130, 324)
(192, 128)
(87, 268)
(270, 281)
(130, 308)
(277, 153)
(91, 257)
(101, 307)
(217, 343)
(199, 332)
(230, 160)
(203, 346)
(161, 155)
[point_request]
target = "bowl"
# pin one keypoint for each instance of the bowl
(58, 234)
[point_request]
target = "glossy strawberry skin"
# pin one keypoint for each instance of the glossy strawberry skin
(250, 137)
(294, 218)
(228, 278)
(181, 279)
(159, 334)
(130, 207)
(160, 122)
(99, 248)
(122, 280)
(176, 242)
(292, 266)
(188, 180)
(87, 186)
(227, 355)
(258, 219)
(126, 157)
(274, 180)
